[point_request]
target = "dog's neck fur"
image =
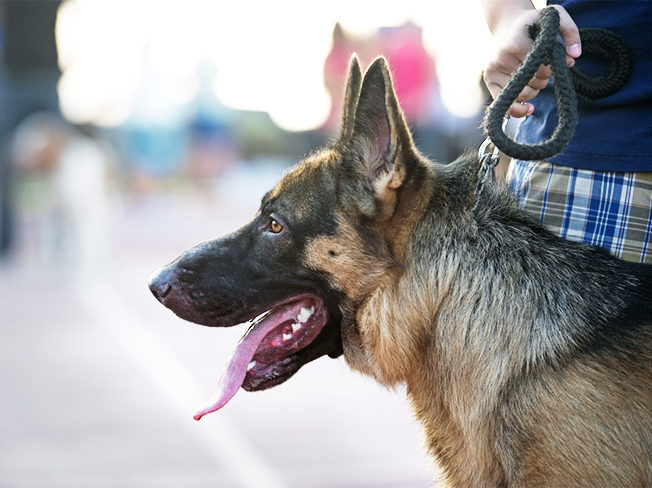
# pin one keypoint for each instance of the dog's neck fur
(466, 308)
(466, 304)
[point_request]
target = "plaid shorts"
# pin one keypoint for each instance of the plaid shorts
(608, 209)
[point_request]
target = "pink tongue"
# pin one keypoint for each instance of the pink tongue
(236, 368)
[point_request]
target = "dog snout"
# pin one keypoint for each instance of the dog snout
(160, 283)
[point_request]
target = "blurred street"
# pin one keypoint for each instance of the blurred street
(100, 381)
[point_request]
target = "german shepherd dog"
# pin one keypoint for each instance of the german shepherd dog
(526, 358)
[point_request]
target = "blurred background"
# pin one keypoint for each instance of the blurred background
(131, 130)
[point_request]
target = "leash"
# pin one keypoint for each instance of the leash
(549, 48)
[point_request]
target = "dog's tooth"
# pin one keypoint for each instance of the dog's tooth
(296, 326)
(287, 337)
(305, 314)
(251, 365)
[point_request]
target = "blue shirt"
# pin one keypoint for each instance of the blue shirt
(613, 133)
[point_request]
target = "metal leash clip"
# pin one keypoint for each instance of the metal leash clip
(488, 162)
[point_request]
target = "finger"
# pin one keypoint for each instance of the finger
(540, 79)
(500, 68)
(543, 73)
(519, 110)
(537, 84)
(528, 93)
(570, 33)
(498, 75)
(497, 82)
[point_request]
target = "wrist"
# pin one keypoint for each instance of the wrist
(502, 14)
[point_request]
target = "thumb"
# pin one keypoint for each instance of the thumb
(569, 32)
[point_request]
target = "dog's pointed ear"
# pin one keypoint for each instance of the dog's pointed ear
(380, 137)
(353, 83)
(380, 128)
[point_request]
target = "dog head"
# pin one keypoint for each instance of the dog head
(330, 231)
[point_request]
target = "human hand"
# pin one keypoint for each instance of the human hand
(513, 43)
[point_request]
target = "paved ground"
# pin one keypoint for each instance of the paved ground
(99, 382)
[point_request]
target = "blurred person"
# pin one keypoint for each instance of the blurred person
(28, 82)
(412, 66)
(336, 66)
(417, 88)
(599, 190)
(413, 69)
(155, 137)
(213, 143)
(415, 75)
(70, 199)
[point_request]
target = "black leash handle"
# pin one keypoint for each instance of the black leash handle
(549, 49)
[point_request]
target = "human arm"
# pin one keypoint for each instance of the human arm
(508, 21)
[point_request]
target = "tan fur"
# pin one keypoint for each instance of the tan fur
(392, 339)
(453, 377)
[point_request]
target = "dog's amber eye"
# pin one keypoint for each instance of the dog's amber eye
(274, 226)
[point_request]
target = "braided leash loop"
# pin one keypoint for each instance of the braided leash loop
(548, 49)
(606, 45)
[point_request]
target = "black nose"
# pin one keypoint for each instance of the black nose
(160, 283)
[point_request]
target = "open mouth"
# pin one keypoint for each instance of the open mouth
(269, 352)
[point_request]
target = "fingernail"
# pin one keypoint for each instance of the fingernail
(574, 50)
